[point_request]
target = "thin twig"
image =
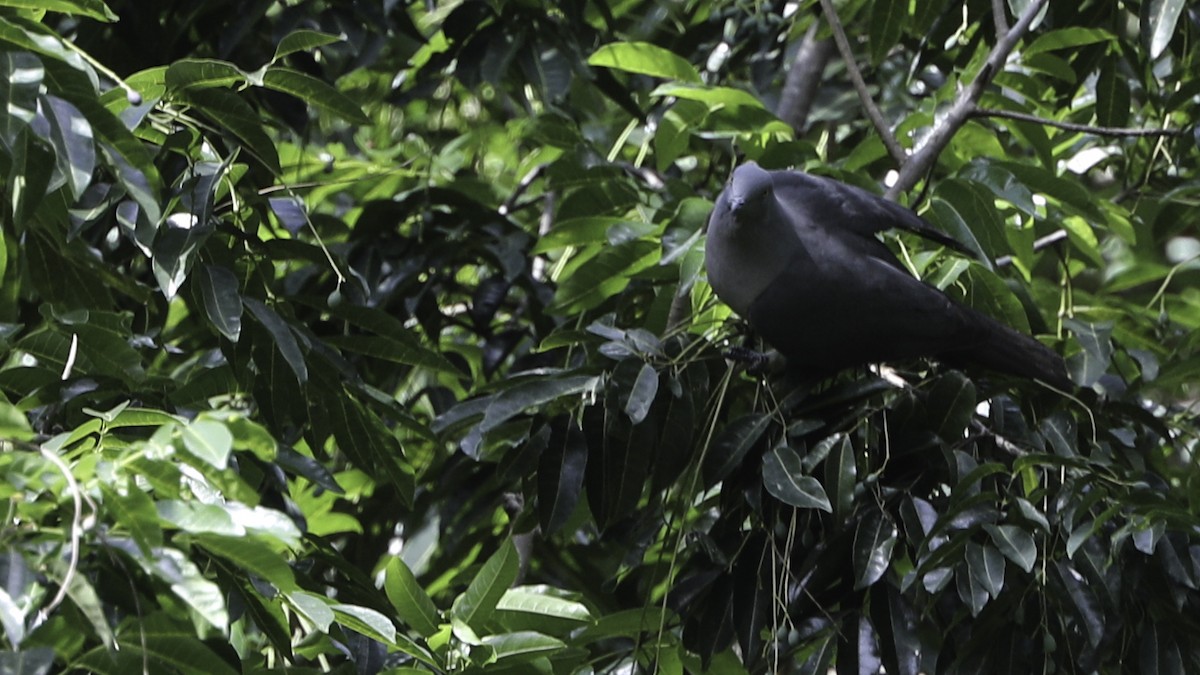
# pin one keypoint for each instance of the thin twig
(960, 111)
(76, 531)
(1039, 244)
(1072, 126)
(873, 112)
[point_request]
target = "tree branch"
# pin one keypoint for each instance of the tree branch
(960, 111)
(999, 18)
(881, 126)
(1071, 126)
(1039, 244)
(803, 76)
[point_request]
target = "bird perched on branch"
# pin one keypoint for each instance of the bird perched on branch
(796, 255)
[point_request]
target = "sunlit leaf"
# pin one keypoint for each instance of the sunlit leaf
(645, 59)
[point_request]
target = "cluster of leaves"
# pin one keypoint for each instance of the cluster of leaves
(376, 338)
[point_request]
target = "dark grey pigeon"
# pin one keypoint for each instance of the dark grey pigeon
(796, 256)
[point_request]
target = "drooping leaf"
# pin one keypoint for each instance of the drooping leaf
(218, 289)
(783, 477)
(281, 334)
(560, 474)
(73, 143)
(874, 540)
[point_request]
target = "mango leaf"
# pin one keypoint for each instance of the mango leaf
(366, 621)
(1158, 21)
(218, 289)
(21, 76)
(560, 474)
(92, 9)
(209, 440)
(313, 607)
(303, 40)
(732, 444)
(251, 555)
(74, 147)
(314, 93)
(409, 599)
(285, 340)
(478, 602)
(202, 74)
(644, 59)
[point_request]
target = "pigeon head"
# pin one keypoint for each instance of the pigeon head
(750, 191)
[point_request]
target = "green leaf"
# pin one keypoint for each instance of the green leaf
(313, 92)
(135, 511)
(71, 138)
(198, 518)
(230, 112)
(887, 23)
(218, 288)
(1158, 21)
(315, 608)
(540, 600)
(478, 602)
(14, 424)
(531, 394)
(253, 556)
(1016, 543)
(202, 74)
(874, 540)
(714, 97)
(951, 405)
(1112, 96)
(783, 477)
(603, 276)
(408, 352)
(522, 645)
(302, 41)
(210, 441)
(986, 567)
(560, 474)
(975, 221)
(644, 59)
(1067, 38)
(642, 394)
(92, 9)
(21, 76)
(365, 621)
(732, 444)
(409, 599)
(281, 334)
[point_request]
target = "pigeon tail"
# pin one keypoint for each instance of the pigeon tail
(1011, 352)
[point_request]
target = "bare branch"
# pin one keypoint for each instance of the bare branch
(960, 111)
(1039, 244)
(881, 126)
(999, 18)
(1071, 126)
(803, 78)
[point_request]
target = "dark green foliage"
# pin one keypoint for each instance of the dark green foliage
(371, 337)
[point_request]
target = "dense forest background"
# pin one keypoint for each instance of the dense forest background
(374, 337)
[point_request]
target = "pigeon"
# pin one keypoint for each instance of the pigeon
(796, 256)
